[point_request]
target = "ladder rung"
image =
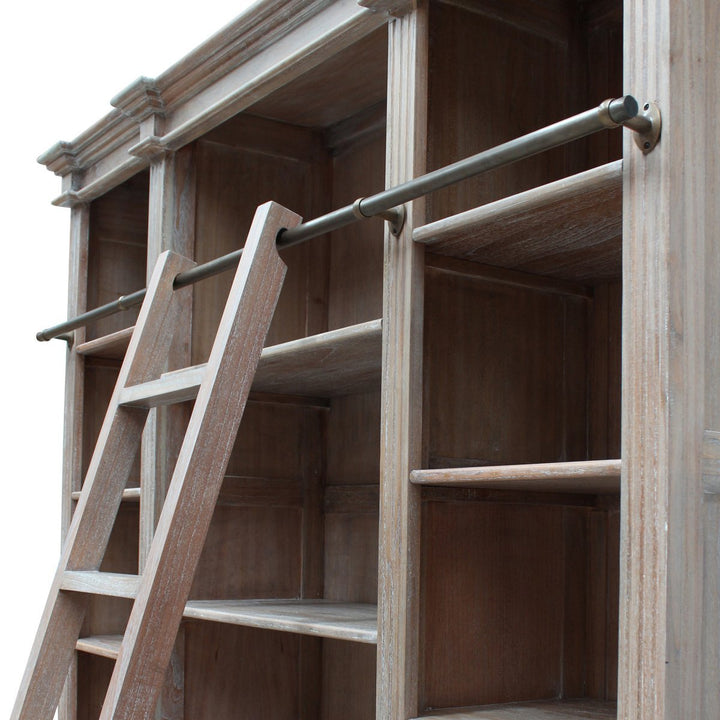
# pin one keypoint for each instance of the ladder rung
(129, 494)
(101, 583)
(103, 645)
(172, 387)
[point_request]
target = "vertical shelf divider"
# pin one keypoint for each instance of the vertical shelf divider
(402, 382)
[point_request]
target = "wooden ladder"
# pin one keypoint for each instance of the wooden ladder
(162, 590)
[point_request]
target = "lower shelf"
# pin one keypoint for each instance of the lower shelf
(587, 476)
(356, 622)
(543, 710)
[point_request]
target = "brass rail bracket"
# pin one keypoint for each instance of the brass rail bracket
(395, 216)
(646, 125)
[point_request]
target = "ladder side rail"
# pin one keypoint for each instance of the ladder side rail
(92, 522)
(195, 485)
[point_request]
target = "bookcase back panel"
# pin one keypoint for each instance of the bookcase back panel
(232, 182)
(117, 250)
(237, 673)
(348, 680)
(490, 82)
(519, 602)
(505, 373)
(356, 252)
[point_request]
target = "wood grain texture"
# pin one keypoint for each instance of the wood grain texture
(199, 471)
(171, 226)
(599, 476)
(263, 666)
(513, 389)
(100, 583)
(493, 621)
(670, 365)
(116, 256)
(343, 85)
(356, 252)
(401, 408)
(552, 710)
(72, 467)
(471, 111)
(224, 216)
(92, 522)
(131, 494)
(111, 346)
(322, 618)
(570, 228)
(103, 645)
(338, 362)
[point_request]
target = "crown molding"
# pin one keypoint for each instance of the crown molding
(394, 8)
(140, 100)
(152, 116)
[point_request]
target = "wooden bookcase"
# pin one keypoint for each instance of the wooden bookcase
(477, 474)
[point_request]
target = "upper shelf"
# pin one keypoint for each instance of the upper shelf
(584, 709)
(324, 618)
(338, 362)
(570, 229)
(356, 622)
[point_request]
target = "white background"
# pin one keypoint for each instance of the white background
(61, 62)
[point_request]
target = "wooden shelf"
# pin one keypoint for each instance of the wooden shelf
(112, 346)
(588, 476)
(104, 645)
(543, 710)
(338, 362)
(129, 494)
(570, 229)
(323, 618)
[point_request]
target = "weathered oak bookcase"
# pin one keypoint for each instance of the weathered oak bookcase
(478, 473)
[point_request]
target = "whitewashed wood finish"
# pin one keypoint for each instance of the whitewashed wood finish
(401, 408)
(589, 476)
(552, 710)
(171, 226)
(322, 618)
(264, 49)
(337, 362)
(173, 387)
(112, 346)
(103, 645)
(74, 398)
(570, 228)
(129, 494)
(711, 461)
(94, 516)
(669, 620)
(100, 583)
(171, 563)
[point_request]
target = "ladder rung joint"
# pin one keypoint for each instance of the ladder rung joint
(94, 582)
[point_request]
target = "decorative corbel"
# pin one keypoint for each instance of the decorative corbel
(394, 8)
(142, 102)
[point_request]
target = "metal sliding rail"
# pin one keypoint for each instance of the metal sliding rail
(389, 203)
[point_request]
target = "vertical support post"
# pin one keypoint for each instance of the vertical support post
(171, 226)
(671, 373)
(402, 383)
(74, 394)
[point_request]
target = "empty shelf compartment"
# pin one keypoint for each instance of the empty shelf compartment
(569, 229)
